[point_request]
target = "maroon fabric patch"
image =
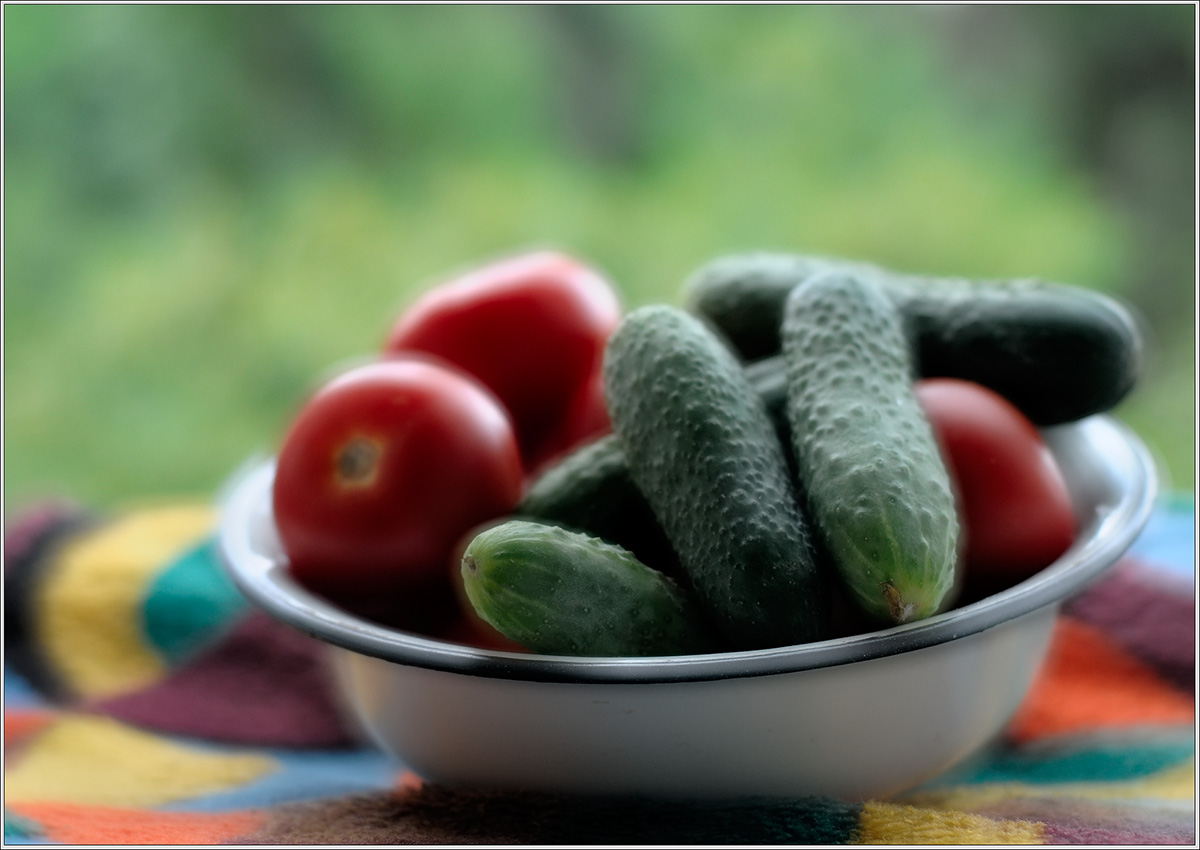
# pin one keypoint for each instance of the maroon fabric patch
(433, 815)
(1155, 625)
(30, 525)
(422, 818)
(1095, 836)
(263, 684)
(31, 542)
(1096, 822)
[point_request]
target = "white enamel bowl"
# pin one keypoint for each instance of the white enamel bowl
(854, 718)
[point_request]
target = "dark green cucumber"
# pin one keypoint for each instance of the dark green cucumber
(590, 490)
(560, 592)
(1058, 352)
(743, 294)
(703, 451)
(878, 490)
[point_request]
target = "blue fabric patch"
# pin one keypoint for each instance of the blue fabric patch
(34, 840)
(304, 775)
(19, 830)
(1169, 539)
(18, 693)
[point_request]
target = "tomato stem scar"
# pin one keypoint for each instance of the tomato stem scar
(470, 564)
(358, 462)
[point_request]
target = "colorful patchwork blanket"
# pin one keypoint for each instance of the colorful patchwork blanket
(146, 702)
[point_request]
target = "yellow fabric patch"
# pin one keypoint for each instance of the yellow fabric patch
(88, 613)
(1174, 783)
(98, 761)
(888, 823)
(971, 797)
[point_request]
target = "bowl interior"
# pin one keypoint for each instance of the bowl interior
(1108, 471)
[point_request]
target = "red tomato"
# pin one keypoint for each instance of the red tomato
(383, 470)
(532, 328)
(585, 420)
(1016, 510)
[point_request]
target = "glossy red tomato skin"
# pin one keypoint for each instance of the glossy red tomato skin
(586, 419)
(532, 328)
(1014, 503)
(384, 468)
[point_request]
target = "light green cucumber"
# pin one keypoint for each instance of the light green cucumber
(561, 592)
(1057, 352)
(878, 490)
(703, 451)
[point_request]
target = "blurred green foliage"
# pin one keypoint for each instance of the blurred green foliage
(209, 207)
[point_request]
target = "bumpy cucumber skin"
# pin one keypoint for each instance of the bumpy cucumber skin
(1058, 352)
(561, 592)
(878, 489)
(590, 490)
(743, 295)
(704, 453)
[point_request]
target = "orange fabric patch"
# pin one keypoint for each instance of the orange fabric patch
(71, 823)
(20, 724)
(1090, 682)
(408, 781)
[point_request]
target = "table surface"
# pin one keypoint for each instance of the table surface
(146, 703)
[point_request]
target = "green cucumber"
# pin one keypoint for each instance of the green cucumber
(590, 490)
(1058, 352)
(742, 295)
(878, 490)
(703, 451)
(561, 592)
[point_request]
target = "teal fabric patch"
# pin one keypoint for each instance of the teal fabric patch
(190, 604)
(16, 827)
(1114, 763)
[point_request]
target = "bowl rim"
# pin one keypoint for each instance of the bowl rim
(1100, 544)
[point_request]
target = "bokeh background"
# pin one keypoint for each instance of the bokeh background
(206, 207)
